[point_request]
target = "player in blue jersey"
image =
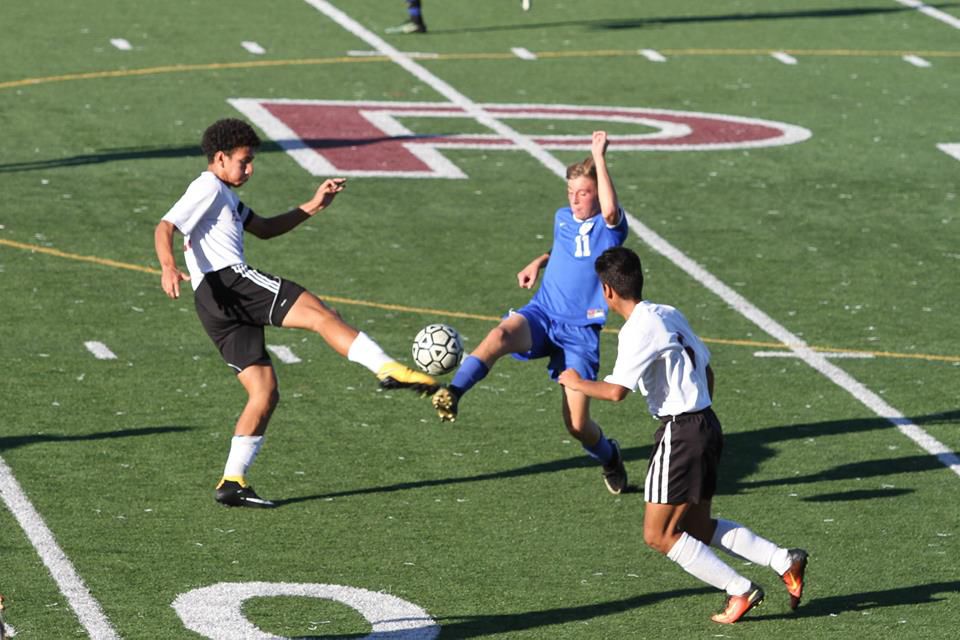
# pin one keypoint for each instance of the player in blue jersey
(563, 320)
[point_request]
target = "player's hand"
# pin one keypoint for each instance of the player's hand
(170, 279)
(599, 143)
(325, 194)
(528, 277)
(570, 379)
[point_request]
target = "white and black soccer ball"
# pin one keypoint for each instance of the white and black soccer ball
(437, 349)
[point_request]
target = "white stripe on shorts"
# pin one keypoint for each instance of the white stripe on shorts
(656, 488)
(257, 278)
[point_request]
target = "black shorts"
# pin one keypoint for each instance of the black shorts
(235, 304)
(686, 454)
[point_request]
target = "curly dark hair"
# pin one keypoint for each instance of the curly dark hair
(226, 135)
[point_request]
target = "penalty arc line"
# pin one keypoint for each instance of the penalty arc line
(69, 582)
(803, 351)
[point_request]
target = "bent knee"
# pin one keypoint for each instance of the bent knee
(658, 541)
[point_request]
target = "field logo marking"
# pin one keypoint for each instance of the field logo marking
(951, 149)
(215, 612)
(659, 244)
(367, 138)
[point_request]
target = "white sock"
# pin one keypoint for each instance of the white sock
(243, 451)
(701, 562)
(365, 351)
(737, 540)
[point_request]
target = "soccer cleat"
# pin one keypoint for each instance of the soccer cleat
(445, 402)
(614, 474)
(793, 577)
(736, 606)
(407, 27)
(394, 375)
(234, 493)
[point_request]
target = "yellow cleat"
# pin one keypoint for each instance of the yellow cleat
(394, 375)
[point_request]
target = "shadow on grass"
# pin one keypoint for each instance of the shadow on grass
(478, 626)
(643, 23)
(193, 151)
(744, 452)
(12, 442)
(530, 470)
(902, 596)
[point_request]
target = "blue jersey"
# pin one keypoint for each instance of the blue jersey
(570, 289)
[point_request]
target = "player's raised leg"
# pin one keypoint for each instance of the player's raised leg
(576, 417)
(512, 335)
(312, 314)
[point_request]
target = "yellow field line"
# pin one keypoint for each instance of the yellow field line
(460, 314)
(597, 53)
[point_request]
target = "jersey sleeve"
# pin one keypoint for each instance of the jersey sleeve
(192, 205)
(245, 213)
(635, 352)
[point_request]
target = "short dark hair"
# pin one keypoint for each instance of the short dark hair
(226, 135)
(619, 268)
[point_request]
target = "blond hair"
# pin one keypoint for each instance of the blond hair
(583, 168)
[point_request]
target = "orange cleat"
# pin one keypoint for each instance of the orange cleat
(793, 577)
(736, 606)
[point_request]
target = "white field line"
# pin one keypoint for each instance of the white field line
(784, 57)
(523, 53)
(286, 355)
(253, 47)
(839, 377)
(88, 610)
(99, 350)
(652, 55)
(843, 355)
(951, 149)
(936, 14)
(121, 43)
(917, 61)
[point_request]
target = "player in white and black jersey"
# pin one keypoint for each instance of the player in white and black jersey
(235, 301)
(660, 355)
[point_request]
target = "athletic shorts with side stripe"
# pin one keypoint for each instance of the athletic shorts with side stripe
(686, 454)
(235, 304)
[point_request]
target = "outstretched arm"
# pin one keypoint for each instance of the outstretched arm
(277, 225)
(609, 205)
(170, 275)
(528, 275)
(593, 388)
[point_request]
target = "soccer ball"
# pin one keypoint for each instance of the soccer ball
(437, 349)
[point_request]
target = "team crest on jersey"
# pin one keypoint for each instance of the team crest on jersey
(366, 138)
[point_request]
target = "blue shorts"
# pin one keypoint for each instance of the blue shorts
(568, 346)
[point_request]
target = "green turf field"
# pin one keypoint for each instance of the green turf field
(844, 244)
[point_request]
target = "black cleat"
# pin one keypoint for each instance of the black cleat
(237, 494)
(615, 474)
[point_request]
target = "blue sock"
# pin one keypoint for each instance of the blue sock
(413, 8)
(471, 371)
(602, 451)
